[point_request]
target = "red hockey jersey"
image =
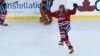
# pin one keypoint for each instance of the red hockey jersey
(64, 17)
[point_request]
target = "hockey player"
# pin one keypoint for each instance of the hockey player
(3, 12)
(45, 7)
(63, 16)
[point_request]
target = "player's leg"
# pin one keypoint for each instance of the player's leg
(70, 47)
(42, 13)
(42, 16)
(2, 20)
(3, 13)
(62, 34)
(45, 15)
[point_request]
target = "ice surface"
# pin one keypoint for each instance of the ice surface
(31, 38)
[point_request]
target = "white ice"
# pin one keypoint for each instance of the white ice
(31, 38)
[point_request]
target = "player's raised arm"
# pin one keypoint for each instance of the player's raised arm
(74, 9)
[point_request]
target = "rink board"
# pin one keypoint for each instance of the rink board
(77, 17)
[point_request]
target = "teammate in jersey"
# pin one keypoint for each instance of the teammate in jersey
(63, 16)
(3, 12)
(45, 11)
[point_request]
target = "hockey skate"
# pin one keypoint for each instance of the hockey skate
(41, 19)
(71, 50)
(61, 43)
(3, 24)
